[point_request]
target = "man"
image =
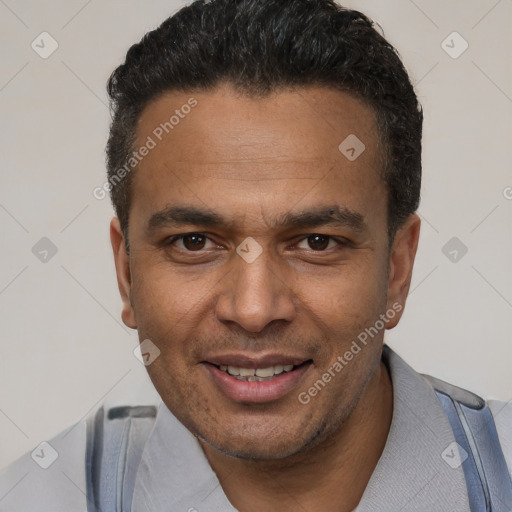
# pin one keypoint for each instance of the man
(264, 162)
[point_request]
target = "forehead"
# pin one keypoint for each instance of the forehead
(225, 120)
(223, 148)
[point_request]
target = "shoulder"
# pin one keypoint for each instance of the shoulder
(502, 413)
(56, 476)
(475, 407)
(52, 477)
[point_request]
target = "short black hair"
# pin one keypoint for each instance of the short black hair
(262, 46)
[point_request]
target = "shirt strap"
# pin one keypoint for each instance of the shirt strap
(115, 441)
(477, 448)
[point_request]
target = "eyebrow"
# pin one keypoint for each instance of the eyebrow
(180, 215)
(330, 215)
(327, 215)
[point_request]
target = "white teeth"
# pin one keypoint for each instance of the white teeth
(265, 372)
(233, 370)
(252, 375)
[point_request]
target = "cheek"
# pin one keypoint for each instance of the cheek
(168, 299)
(348, 295)
(345, 308)
(162, 311)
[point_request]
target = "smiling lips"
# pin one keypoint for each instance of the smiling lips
(258, 375)
(248, 380)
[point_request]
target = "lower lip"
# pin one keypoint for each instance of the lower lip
(257, 392)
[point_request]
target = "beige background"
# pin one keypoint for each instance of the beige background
(64, 348)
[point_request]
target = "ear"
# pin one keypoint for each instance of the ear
(122, 263)
(401, 261)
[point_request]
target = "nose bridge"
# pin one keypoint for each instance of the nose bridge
(254, 286)
(255, 294)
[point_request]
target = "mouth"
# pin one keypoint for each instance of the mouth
(247, 380)
(259, 374)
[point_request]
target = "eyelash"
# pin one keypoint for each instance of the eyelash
(174, 239)
(340, 241)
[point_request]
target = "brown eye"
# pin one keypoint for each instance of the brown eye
(194, 242)
(318, 242)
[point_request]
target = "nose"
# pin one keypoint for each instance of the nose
(255, 294)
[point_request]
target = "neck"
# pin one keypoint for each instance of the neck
(329, 477)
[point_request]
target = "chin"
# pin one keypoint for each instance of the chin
(262, 445)
(258, 449)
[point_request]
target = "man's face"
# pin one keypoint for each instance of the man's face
(255, 243)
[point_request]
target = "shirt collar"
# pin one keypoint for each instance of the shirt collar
(174, 473)
(411, 475)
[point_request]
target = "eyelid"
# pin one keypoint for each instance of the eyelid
(173, 239)
(341, 241)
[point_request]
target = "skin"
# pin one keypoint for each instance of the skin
(252, 161)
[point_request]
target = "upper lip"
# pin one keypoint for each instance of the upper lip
(255, 361)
